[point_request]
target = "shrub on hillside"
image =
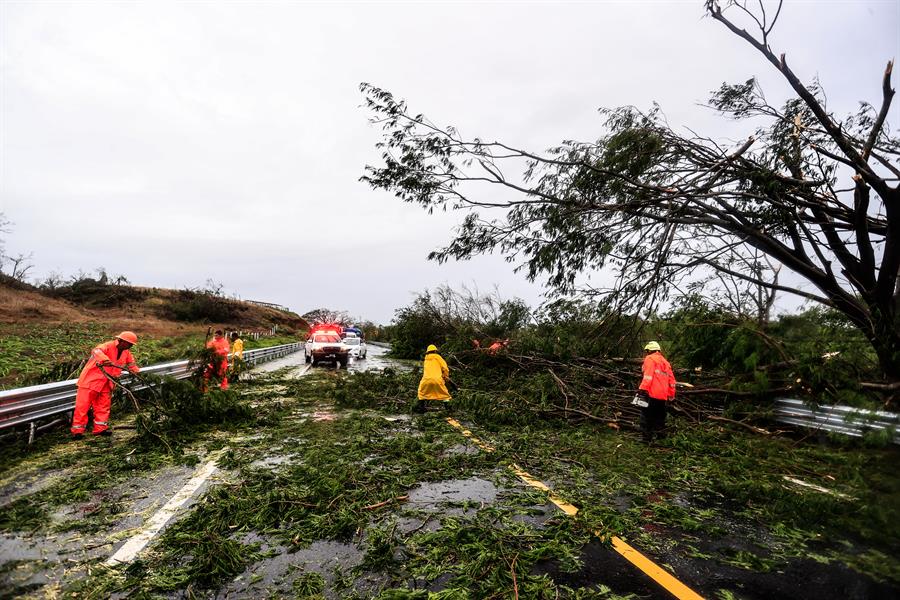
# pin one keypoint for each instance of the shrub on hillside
(200, 306)
(94, 293)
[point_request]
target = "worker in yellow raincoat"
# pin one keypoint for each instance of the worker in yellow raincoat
(237, 356)
(434, 379)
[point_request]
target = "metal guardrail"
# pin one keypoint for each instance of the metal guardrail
(28, 404)
(837, 419)
(269, 305)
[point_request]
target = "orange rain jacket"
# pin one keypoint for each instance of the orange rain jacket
(220, 346)
(93, 378)
(659, 381)
(432, 386)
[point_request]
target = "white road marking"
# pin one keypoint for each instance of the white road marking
(138, 542)
(133, 546)
(818, 488)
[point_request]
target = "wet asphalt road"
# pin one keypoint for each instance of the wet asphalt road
(45, 561)
(376, 359)
(34, 561)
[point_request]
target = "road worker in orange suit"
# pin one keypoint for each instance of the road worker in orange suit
(433, 386)
(657, 389)
(95, 388)
(220, 346)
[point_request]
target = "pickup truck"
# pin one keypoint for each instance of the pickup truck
(327, 346)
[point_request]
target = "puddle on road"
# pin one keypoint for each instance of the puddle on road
(377, 360)
(473, 489)
(317, 415)
(32, 484)
(428, 503)
(276, 575)
(458, 449)
(24, 563)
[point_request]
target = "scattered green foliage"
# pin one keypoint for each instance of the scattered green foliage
(172, 412)
(335, 457)
(704, 480)
(309, 586)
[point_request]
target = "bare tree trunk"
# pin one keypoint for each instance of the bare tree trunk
(886, 341)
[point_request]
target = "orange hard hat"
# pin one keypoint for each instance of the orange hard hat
(127, 336)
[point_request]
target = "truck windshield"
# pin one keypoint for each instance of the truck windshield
(351, 341)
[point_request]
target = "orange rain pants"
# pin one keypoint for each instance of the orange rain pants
(85, 400)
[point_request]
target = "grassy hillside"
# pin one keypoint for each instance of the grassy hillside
(44, 335)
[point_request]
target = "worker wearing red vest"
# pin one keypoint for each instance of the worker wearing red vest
(657, 388)
(95, 388)
(221, 348)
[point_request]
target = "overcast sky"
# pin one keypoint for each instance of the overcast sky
(175, 143)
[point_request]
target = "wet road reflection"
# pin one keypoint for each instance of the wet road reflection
(376, 359)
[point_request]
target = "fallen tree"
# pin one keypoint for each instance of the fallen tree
(663, 209)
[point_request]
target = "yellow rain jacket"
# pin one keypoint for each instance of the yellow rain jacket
(432, 386)
(237, 348)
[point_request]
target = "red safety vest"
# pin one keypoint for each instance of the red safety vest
(659, 381)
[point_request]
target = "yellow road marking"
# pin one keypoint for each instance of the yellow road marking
(647, 566)
(468, 434)
(564, 506)
(654, 571)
